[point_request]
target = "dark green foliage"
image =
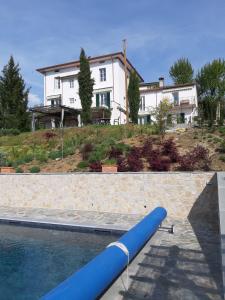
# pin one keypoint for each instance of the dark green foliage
(83, 164)
(222, 158)
(134, 97)
(13, 98)
(35, 169)
(222, 147)
(181, 72)
(19, 170)
(3, 159)
(86, 84)
(11, 131)
(211, 91)
(55, 154)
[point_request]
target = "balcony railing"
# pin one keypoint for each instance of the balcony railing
(181, 103)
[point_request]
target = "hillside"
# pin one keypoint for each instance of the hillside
(137, 147)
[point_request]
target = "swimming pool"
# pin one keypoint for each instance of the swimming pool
(35, 260)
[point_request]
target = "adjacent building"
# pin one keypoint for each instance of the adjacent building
(183, 98)
(62, 105)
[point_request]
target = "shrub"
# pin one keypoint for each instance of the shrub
(222, 130)
(86, 151)
(122, 164)
(95, 166)
(115, 153)
(12, 131)
(83, 164)
(34, 169)
(111, 161)
(222, 147)
(198, 158)
(160, 164)
(147, 148)
(3, 160)
(222, 158)
(42, 157)
(49, 135)
(134, 161)
(187, 162)
(169, 148)
(68, 151)
(55, 154)
(19, 170)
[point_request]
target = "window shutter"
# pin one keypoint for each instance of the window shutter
(108, 99)
(97, 100)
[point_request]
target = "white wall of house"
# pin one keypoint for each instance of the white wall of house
(67, 91)
(177, 96)
(69, 95)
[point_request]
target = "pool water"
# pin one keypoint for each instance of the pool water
(35, 260)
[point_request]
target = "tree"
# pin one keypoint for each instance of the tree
(86, 84)
(13, 98)
(134, 96)
(161, 113)
(211, 90)
(181, 71)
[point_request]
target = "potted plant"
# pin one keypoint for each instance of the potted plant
(109, 166)
(5, 166)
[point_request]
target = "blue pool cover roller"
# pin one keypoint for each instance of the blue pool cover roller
(96, 276)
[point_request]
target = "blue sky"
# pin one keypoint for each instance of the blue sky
(45, 32)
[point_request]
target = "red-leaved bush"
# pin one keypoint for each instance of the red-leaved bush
(134, 161)
(49, 135)
(147, 148)
(122, 164)
(169, 149)
(95, 166)
(196, 159)
(160, 164)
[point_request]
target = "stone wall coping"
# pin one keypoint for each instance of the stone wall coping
(109, 173)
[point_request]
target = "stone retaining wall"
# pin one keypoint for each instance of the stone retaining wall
(135, 193)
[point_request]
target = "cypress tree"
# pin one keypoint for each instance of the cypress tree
(13, 98)
(134, 97)
(86, 84)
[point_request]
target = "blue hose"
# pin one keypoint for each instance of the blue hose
(96, 276)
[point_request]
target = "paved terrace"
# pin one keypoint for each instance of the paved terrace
(184, 265)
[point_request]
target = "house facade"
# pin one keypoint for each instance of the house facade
(62, 104)
(183, 99)
(61, 86)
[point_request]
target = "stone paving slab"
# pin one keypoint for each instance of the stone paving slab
(185, 265)
(75, 218)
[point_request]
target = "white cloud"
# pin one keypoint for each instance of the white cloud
(34, 100)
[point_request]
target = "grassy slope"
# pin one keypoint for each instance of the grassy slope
(32, 149)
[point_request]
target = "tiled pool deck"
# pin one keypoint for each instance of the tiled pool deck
(89, 219)
(181, 266)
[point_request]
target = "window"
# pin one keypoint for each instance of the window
(175, 98)
(103, 99)
(102, 74)
(71, 81)
(72, 100)
(142, 103)
(57, 83)
(55, 102)
(144, 120)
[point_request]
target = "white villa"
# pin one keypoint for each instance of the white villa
(62, 103)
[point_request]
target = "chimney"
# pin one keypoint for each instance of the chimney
(161, 81)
